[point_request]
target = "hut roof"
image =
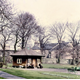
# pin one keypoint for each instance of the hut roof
(27, 52)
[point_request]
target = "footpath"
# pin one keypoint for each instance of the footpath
(53, 70)
(9, 76)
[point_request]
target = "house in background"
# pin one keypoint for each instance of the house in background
(50, 52)
(25, 56)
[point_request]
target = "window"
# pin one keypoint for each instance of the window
(49, 55)
(19, 60)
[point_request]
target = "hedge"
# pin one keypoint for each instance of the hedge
(74, 69)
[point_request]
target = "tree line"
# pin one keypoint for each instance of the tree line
(18, 29)
(63, 32)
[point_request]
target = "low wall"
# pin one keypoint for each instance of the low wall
(48, 60)
(53, 60)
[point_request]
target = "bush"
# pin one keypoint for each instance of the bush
(74, 69)
(1, 64)
(71, 69)
(77, 68)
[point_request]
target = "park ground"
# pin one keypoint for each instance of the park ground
(50, 71)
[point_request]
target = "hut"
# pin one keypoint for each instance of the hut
(26, 57)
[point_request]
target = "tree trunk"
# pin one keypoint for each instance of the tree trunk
(4, 61)
(15, 48)
(41, 46)
(41, 51)
(58, 61)
(22, 42)
(73, 60)
(77, 60)
(59, 53)
(4, 56)
(15, 43)
(4, 53)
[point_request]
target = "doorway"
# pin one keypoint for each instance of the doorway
(34, 62)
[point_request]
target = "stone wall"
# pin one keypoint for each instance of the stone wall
(48, 60)
(53, 60)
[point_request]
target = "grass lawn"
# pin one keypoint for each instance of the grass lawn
(58, 66)
(40, 74)
(2, 78)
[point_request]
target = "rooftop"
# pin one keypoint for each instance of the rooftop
(27, 52)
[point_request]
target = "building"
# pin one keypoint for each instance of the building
(25, 57)
(51, 50)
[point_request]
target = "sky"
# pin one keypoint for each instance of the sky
(47, 12)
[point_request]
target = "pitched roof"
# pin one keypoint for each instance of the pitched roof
(27, 52)
(35, 48)
(50, 46)
(46, 46)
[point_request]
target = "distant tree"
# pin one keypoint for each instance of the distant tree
(15, 38)
(57, 32)
(43, 37)
(5, 21)
(74, 36)
(27, 26)
(5, 37)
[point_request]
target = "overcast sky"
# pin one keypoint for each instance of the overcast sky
(49, 11)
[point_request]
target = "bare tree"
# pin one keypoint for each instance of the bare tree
(57, 31)
(15, 37)
(27, 26)
(5, 14)
(73, 33)
(5, 19)
(5, 37)
(43, 38)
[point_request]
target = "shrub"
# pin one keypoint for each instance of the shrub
(71, 69)
(1, 64)
(74, 69)
(77, 68)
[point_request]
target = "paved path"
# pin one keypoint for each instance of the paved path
(55, 70)
(9, 76)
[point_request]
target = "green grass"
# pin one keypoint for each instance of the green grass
(58, 66)
(40, 74)
(43, 75)
(55, 66)
(2, 78)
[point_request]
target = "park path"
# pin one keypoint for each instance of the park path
(53, 70)
(9, 76)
